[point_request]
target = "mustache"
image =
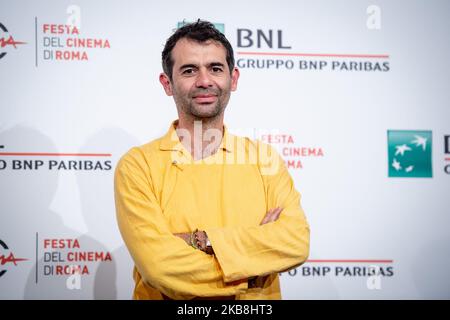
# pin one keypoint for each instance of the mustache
(205, 92)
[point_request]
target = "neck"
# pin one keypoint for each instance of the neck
(200, 136)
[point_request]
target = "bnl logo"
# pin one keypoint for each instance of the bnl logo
(409, 154)
(248, 38)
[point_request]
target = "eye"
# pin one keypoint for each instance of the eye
(217, 69)
(188, 71)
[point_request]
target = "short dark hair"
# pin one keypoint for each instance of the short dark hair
(200, 31)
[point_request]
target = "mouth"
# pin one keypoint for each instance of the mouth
(205, 98)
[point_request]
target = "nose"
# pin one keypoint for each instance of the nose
(203, 79)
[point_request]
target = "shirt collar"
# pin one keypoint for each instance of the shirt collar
(171, 142)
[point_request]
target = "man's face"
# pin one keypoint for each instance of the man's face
(201, 81)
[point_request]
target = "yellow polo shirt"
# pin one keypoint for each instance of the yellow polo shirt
(160, 190)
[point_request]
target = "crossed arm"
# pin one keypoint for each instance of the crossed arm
(201, 236)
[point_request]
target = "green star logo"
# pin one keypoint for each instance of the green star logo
(409, 154)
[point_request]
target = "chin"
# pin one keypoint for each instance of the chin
(205, 111)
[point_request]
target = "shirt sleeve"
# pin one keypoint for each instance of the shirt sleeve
(163, 260)
(245, 252)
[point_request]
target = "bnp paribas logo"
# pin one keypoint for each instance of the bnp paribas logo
(409, 154)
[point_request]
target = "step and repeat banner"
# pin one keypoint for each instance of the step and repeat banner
(353, 94)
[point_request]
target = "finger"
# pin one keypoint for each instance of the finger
(267, 216)
(264, 220)
(276, 214)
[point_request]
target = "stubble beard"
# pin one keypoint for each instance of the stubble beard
(199, 111)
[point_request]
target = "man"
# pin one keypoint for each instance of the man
(204, 213)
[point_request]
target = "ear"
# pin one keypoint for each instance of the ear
(167, 85)
(234, 79)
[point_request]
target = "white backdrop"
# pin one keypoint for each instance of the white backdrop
(348, 72)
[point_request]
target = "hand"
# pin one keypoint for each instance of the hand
(271, 215)
(201, 238)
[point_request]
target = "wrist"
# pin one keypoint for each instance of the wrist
(199, 240)
(193, 240)
(208, 246)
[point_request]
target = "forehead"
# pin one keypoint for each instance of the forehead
(191, 51)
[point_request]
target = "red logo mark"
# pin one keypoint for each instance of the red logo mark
(10, 259)
(9, 42)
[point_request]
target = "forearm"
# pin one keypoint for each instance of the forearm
(185, 236)
(248, 252)
(245, 252)
(177, 270)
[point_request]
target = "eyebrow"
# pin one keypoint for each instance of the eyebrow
(184, 66)
(212, 64)
(216, 64)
